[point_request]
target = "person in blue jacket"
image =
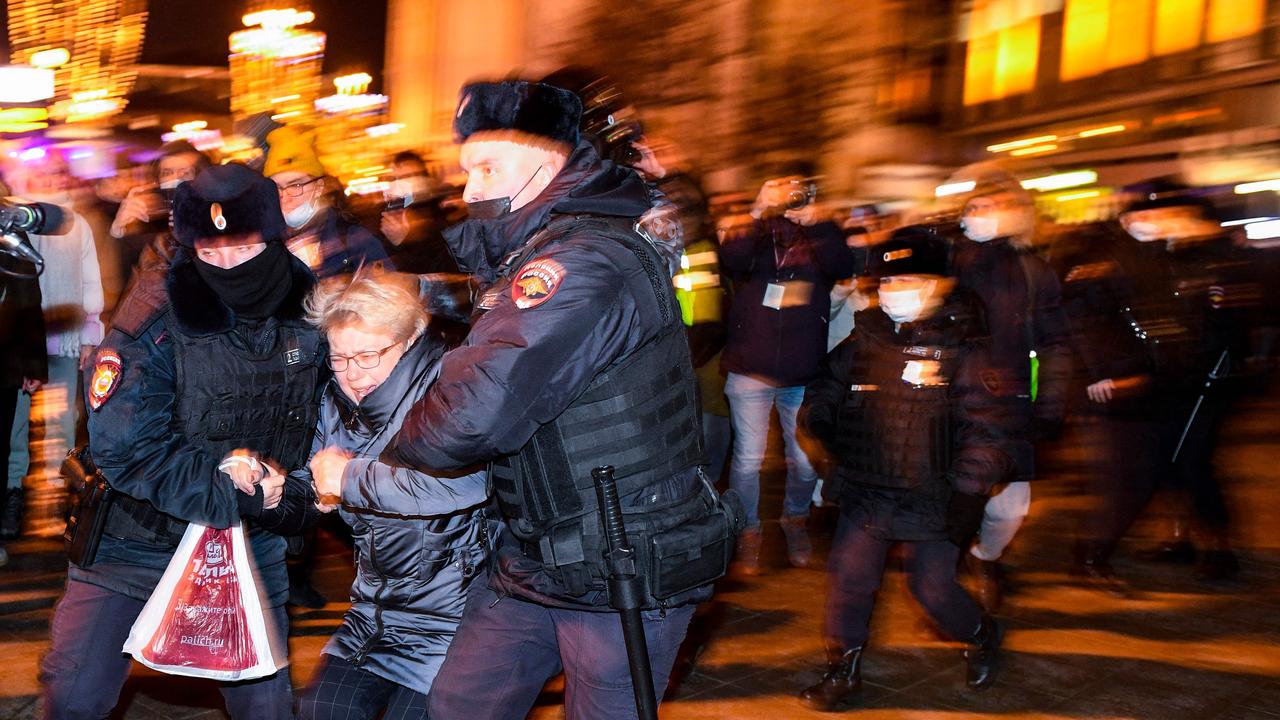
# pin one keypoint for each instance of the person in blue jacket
(200, 407)
(421, 540)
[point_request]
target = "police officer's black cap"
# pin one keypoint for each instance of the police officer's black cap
(912, 250)
(534, 108)
(229, 199)
(1167, 192)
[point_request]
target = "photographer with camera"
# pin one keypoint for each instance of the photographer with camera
(413, 219)
(783, 264)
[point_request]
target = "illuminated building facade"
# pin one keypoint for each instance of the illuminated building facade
(1131, 88)
(92, 45)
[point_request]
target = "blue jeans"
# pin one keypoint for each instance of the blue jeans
(751, 403)
(717, 432)
(84, 670)
(506, 649)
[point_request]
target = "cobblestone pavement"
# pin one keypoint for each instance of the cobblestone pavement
(1185, 649)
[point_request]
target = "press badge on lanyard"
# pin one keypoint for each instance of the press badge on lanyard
(773, 294)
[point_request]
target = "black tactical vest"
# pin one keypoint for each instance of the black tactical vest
(896, 433)
(229, 397)
(639, 415)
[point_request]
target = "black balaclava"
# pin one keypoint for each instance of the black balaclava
(255, 288)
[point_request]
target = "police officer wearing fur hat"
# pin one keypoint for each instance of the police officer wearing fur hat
(225, 368)
(576, 359)
(920, 439)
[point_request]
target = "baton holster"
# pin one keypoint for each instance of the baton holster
(91, 500)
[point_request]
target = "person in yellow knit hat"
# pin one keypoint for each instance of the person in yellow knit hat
(321, 233)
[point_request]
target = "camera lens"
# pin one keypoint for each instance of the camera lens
(797, 199)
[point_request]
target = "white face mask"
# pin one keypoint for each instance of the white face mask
(1144, 231)
(302, 214)
(903, 305)
(170, 184)
(412, 189)
(980, 229)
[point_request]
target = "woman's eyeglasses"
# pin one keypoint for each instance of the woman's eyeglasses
(368, 359)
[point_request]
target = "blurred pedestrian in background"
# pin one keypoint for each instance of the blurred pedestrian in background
(72, 303)
(413, 220)
(1030, 354)
(321, 233)
(23, 365)
(783, 263)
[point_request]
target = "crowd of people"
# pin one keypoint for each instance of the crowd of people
(239, 343)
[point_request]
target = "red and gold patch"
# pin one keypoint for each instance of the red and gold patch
(106, 377)
(536, 282)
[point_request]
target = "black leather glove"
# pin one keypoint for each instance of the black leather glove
(964, 517)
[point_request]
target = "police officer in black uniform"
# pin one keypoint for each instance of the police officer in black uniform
(1182, 296)
(226, 366)
(576, 359)
(907, 406)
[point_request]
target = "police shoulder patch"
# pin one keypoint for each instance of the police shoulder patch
(106, 377)
(536, 282)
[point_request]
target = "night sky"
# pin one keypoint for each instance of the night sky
(194, 32)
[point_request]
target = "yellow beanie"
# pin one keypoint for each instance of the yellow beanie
(291, 149)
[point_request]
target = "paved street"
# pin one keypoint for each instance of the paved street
(1185, 649)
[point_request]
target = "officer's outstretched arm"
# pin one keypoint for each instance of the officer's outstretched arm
(529, 357)
(372, 485)
(131, 397)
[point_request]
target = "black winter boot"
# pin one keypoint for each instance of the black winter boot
(982, 655)
(840, 685)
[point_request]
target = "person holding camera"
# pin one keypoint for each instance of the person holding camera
(783, 264)
(413, 219)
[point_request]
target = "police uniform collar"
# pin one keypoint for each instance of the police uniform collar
(587, 185)
(380, 406)
(199, 311)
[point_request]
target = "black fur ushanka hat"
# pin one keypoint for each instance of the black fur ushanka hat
(229, 199)
(529, 107)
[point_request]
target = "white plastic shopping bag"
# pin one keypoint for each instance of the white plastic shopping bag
(205, 617)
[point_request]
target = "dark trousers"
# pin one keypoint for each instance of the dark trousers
(855, 569)
(506, 649)
(1192, 477)
(1128, 458)
(340, 691)
(84, 670)
(1132, 457)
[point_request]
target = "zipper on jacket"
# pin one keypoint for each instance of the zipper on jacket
(360, 655)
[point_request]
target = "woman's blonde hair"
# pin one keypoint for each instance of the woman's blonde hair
(377, 298)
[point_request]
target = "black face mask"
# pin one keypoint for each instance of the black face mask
(255, 288)
(497, 207)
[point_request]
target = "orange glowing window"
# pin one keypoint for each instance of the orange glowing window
(1230, 19)
(1129, 41)
(1084, 38)
(1100, 35)
(1179, 24)
(980, 70)
(1017, 58)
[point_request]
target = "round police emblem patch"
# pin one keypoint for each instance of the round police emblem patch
(536, 282)
(106, 376)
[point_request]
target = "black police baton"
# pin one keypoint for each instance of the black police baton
(626, 591)
(1214, 375)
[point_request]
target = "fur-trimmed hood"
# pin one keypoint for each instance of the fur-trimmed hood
(198, 309)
